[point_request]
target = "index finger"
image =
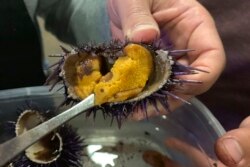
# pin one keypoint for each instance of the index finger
(190, 26)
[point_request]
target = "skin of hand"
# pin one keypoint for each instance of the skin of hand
(187, 25)
(233, 148)
(198, 157)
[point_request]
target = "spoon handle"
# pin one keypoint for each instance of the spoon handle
(13, 147)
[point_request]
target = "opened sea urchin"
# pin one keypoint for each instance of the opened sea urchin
(62, 147)
(124, 77)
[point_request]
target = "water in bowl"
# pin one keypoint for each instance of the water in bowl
(108, 146)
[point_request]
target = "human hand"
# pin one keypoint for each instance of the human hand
(197, 156)
(187, 25)
(233, 148)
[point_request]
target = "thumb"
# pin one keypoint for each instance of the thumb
(135, 19)
(233, 149)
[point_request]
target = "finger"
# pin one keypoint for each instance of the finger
(173, 102)
(116, 32)
(198, 157)
(211, 61)
(233, 149)
(134, 18)
(140, 114)
(245, 123)
(192, 27)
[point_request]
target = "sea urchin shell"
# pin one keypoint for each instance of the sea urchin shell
(62, 147)
(88, 59)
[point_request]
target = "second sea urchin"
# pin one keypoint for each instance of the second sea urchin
(125, 77)
(62, 147)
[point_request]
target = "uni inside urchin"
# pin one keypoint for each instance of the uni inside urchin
(124, 76)
(62, 147)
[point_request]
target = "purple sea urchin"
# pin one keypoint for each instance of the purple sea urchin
(69, 155)
(62, 147)
(88, 59)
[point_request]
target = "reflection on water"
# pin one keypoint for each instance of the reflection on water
(124, 152)
(101, 158)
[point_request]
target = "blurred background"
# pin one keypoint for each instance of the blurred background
(51, 44)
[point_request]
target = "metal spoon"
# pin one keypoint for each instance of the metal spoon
(13, 147)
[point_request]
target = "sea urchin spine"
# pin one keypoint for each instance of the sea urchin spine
(158, 85)
(63, 147)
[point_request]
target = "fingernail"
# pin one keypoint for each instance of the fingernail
(233, 149)
(143, 32)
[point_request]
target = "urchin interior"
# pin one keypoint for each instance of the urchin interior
(27, 120)
(47, 149)
(126, 79)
